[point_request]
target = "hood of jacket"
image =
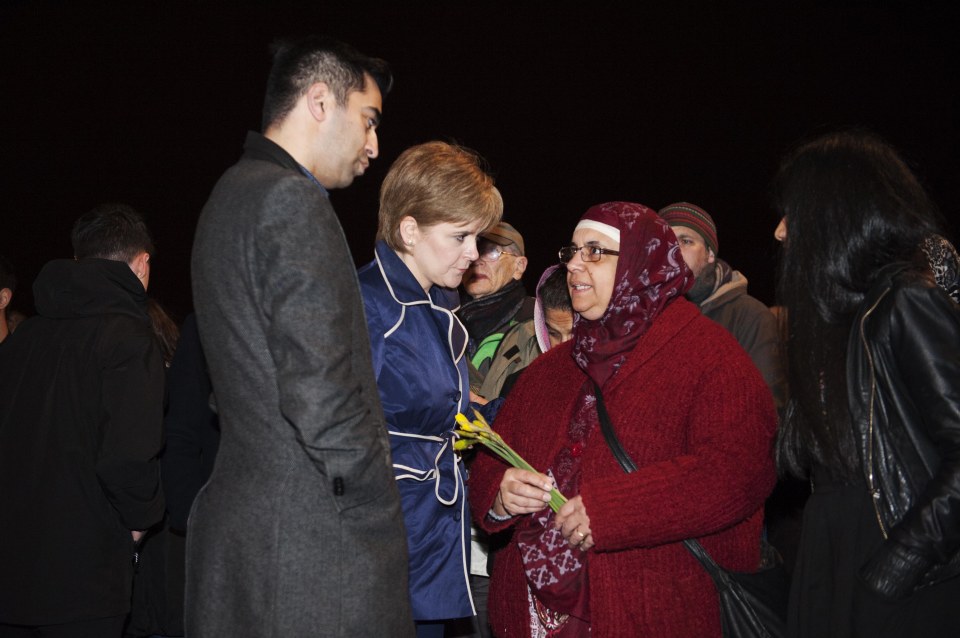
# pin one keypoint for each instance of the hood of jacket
(735, 287)
(69, 289)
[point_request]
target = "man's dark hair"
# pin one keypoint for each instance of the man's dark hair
(554, 294)
(111, 231)
(851, 206)
(299, 64)
(7, 278)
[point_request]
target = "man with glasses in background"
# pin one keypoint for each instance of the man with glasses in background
(495, 298)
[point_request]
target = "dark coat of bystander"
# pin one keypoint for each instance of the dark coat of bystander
(81, 410)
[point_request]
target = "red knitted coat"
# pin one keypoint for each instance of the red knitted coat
(698, 420)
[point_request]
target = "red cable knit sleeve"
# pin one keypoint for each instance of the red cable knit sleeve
(541, 399)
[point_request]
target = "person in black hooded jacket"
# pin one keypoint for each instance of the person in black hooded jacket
(81, 409)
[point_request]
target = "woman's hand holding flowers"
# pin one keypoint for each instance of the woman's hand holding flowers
(522, 492)
(522, 486)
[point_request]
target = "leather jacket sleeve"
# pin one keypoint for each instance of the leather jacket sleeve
(918, 405)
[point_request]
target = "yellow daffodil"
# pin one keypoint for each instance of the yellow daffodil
(479, 431)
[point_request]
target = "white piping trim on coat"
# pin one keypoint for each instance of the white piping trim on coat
(451, 317)
(458, 478)
(435, 472)
(403, 314)
(464, 539)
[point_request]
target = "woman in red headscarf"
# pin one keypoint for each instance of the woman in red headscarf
(688, 406)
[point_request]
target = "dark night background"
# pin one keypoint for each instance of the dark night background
(571, 104)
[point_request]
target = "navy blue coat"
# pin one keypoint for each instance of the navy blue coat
(418, 347)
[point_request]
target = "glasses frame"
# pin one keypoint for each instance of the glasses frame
(593, 256)
(495, 248)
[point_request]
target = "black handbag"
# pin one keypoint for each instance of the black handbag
(752, 604)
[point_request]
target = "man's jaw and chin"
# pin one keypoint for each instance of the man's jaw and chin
(471, 278)
(703, 285)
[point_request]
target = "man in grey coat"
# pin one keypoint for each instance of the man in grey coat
(721, 293)
(298, 532)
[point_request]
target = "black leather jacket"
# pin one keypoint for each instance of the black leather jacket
(903, 377)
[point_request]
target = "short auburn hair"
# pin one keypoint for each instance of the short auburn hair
(437, 183)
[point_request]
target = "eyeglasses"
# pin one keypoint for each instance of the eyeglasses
(492, 252)
(588, 252)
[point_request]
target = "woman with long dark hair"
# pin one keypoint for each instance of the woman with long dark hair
(873, 361)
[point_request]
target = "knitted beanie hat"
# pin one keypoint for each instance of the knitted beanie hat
(693, 217)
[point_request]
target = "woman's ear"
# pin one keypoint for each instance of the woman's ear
(409, 231)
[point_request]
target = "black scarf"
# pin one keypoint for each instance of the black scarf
(710, 281)
(483, 316)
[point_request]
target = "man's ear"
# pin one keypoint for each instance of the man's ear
(520, 267)
(5, 296)
(139, 264)
(320, 100)
(711, 258)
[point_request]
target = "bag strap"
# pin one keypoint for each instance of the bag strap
(606, 426)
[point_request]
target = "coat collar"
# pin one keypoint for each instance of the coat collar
(736, 287)
(69, 289)
(258, 147)
(406, 291)
(405, 288)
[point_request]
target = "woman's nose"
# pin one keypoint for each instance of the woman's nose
(576, 262)
(471, 252)
(781, 232)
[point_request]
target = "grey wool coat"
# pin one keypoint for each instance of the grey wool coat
(298, 532)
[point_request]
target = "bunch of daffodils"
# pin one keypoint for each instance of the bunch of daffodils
(470, 433)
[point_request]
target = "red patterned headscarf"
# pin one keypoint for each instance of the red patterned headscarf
(650, 274)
